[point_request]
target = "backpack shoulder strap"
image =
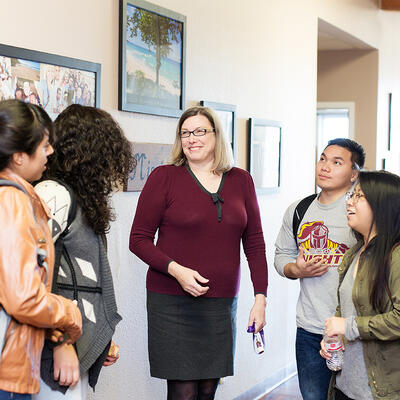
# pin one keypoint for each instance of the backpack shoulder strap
(6, 182)
(299, 212)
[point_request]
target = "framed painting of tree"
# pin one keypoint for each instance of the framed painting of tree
(152, 44)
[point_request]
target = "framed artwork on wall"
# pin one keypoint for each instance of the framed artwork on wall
(152, 55)
(264, 157)
(51, 81)
(227, 116)
(148, 157)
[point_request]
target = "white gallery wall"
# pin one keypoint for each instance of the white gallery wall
(260, 55)
(389, 82)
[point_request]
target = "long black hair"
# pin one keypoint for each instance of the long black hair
(382, 191)
(22, 128)
(92, 156)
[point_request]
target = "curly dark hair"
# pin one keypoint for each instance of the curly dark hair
(93, 157)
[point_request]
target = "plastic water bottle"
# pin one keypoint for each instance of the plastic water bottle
(334, 345)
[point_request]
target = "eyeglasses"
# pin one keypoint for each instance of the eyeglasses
(354, 196)
(196, 132)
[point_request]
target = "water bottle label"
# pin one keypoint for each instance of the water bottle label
(333, 346)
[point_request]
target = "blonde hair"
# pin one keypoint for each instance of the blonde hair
(223, 157)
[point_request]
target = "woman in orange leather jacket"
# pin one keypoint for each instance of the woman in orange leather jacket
(25, 143)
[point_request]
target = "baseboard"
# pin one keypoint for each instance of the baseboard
(269, 384)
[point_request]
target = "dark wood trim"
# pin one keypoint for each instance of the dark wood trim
(393, 5)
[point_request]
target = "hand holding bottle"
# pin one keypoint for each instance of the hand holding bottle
(258, 339)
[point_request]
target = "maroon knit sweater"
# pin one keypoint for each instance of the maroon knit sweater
(199, 230)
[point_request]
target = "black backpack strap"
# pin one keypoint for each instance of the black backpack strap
(299, 212)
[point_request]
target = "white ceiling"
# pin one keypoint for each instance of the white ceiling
(333, 38)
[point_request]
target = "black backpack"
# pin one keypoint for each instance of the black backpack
(299, 212)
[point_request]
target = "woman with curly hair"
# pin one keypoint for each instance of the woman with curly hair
(92, 159)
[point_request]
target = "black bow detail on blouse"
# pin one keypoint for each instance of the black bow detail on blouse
(217, 200)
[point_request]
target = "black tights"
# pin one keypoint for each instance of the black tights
(203, 389)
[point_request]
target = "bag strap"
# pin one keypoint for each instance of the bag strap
(6, 182)
(299, 212)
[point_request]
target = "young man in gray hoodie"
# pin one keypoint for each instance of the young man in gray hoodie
(322, 238)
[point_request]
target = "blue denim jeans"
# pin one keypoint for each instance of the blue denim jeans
(14, 396)
(314, 375)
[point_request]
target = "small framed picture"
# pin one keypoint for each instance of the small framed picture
(152, 44)
(148, 157)
(264, 157)
(227, 116)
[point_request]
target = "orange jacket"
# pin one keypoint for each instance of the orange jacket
(23, 293)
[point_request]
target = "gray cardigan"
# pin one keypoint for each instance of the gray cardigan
(90, 282)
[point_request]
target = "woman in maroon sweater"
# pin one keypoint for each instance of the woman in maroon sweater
(202, 209)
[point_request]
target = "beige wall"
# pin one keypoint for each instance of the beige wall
(352, 76)
(260, 55)
(389, 82)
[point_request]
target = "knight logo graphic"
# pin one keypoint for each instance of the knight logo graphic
(316, 244)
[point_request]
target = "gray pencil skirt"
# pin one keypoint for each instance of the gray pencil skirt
(190, 338)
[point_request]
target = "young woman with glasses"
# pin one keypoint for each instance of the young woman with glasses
(369, 293)
(92, 159)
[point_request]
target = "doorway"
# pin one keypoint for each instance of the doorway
(334, 119)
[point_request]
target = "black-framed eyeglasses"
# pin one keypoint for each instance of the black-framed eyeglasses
(354, 196)
(196, 132)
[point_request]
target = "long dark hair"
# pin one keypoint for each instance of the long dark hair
(382, 191)
(22, 127)
(93, 157)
